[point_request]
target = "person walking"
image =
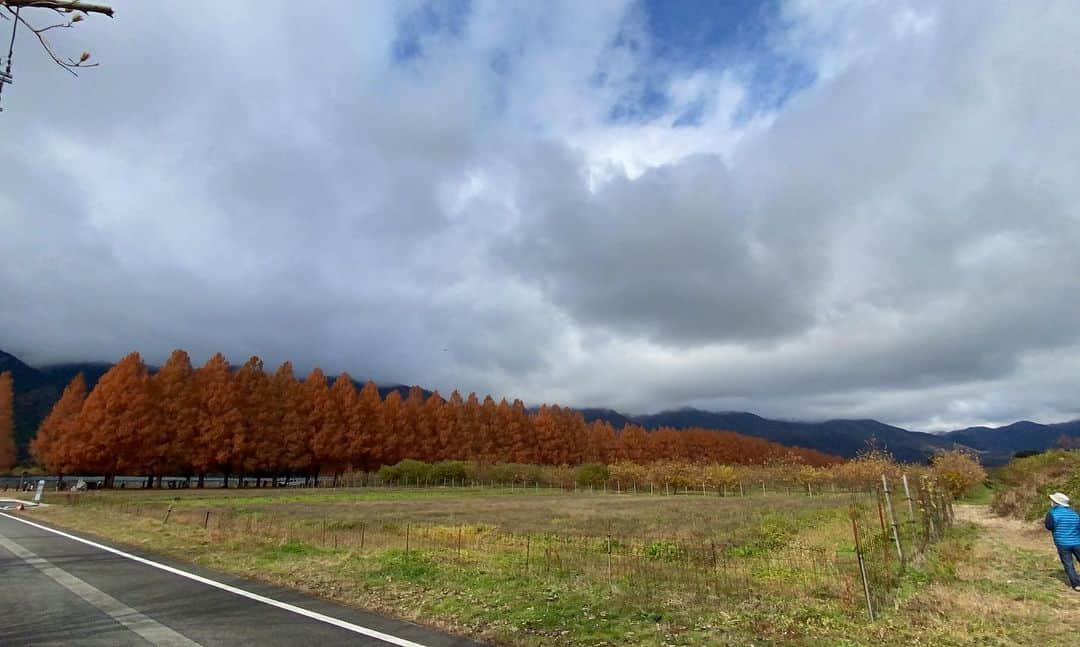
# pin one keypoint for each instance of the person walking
(1065, 524)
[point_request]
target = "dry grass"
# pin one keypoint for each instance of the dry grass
(993, 588)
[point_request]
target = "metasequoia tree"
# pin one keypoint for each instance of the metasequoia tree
(213, 419)
(7, 422)
(427, 436)
(27, 15)
(118, 420)
(390, 450)
(59, 431)
(365, 424)
(286, 445)
(330, 443)
(250, 382)
(220, 419)
(447, 429)
(178, 414)
(315, 405)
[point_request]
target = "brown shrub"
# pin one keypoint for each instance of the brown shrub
(958, 470)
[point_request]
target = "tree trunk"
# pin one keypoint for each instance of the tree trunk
(225, 481)
(202, 480)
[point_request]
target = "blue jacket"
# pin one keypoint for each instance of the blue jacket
(1065, 523)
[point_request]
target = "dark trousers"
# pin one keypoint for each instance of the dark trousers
(1066, 553)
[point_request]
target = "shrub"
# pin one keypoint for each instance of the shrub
(1028, 481)
(865, 470)
(958, 471)
(406, 472)
(594, 474)
(448, 471)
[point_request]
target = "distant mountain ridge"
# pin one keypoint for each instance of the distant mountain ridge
(840, 437)
(36, 389)
(847, 438)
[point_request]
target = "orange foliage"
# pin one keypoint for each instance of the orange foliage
(59, 431)
(245, 422)
(7, 422)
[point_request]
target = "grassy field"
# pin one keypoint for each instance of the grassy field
(547, 567)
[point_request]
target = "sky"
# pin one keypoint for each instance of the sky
(804, 209)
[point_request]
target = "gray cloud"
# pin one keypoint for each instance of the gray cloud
(896, 240)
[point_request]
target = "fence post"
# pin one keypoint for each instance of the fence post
(892, 519)
(206, 520)
(528, 551)
(363, 527)
(407, 529)
(167, 513)
(859, 555)
(609, 559)
(927, 513)
(907, 497)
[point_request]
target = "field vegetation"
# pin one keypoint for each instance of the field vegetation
(528, 563)
(1025, 484)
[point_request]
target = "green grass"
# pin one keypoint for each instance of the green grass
(544, 587)
(981, 494)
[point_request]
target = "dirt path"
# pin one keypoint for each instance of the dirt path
(1017, 559)
(1013, 532)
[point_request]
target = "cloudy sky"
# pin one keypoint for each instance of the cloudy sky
(801, 209)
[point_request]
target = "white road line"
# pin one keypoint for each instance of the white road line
(330, 620)
(153, 631)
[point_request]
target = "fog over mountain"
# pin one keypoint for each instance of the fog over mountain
(806, 210)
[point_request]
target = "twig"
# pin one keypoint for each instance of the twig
(69, 63)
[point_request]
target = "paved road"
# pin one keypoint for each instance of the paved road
(56, 590)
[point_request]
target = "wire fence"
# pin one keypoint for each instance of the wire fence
(892, 526)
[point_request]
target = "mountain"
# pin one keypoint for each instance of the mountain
(610, 416)
(999, 444)
(840, 437)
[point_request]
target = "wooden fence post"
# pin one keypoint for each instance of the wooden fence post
(859, 555)
(892, 519)
(907, 497)
(609, 559)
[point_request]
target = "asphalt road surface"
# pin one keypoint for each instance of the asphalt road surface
(58, 590)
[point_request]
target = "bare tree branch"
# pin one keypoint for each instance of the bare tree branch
(64, 6)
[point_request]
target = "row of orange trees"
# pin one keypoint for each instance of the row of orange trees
(221, 419)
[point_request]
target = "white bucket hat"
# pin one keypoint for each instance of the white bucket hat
(1059, 498)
